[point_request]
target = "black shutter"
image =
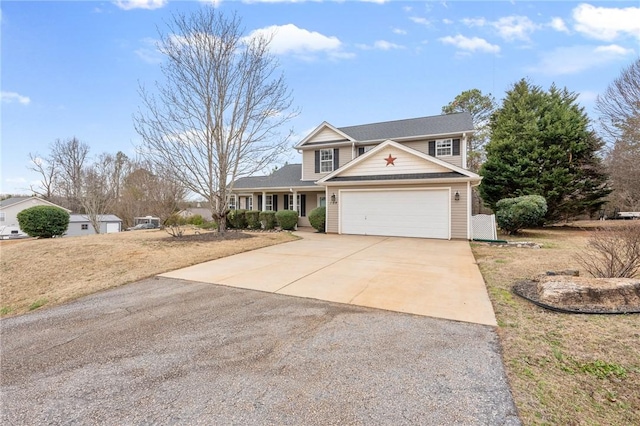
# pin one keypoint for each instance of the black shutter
(317, 161)
(456, 147)
(286, 201)
(336, 158)
(360, 150)
(432, 148)
(303, 205)
(275, 203)
(260, 202)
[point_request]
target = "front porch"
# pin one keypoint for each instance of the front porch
(300, 200)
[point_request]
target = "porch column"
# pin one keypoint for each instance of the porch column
(295, 201)
(264, 201)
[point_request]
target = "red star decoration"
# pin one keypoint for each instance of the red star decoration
(390, 160)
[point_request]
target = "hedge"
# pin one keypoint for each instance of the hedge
(514, 214)
(237, 219)
(287, 219)
(317, 218)
(43, 221)
(268, 219)
(253, 219)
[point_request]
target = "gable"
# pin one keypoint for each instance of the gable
(391, 159)
(400, 162)
(325, 133)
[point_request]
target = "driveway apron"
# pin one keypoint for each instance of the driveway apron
(433, 278)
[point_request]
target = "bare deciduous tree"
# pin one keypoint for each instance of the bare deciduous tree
(217, 115)
(613, 252)
(98, 189)
(69, 157)
(48, 172)
(619, 105)
(619, 109)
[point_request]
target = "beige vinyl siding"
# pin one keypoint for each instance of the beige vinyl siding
(458, 208)
(404, 163)
(309, 165)
(326, 135)
(423, 146)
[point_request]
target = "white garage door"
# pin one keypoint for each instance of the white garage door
(413, 213)
(113, 227)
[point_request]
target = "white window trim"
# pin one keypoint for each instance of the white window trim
(232, 201)
(250, 203)
(268, 203)
(320, 197)
(326, 164)
(442, 145)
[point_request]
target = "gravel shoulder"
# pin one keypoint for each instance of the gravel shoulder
(169, 351)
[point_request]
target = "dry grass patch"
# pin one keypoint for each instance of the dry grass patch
(563, 368)
(48, 272)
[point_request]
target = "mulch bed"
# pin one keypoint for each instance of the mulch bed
(528, 290)
(207, 236)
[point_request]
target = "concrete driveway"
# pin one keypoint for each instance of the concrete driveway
(433, 278)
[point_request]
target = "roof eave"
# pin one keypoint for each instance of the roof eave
(461, 179)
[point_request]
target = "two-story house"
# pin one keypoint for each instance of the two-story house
(403, 178)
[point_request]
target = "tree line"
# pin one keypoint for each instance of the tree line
(104, 184)
(541, 142)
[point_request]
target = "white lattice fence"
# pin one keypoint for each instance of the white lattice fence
(483, 227)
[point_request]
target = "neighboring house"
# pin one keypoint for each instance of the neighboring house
(10, 208)
(397, 178)
(80, 224)
(199, 210)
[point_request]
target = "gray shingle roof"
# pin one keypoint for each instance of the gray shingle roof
(76, 218)
(434, 125)
(12, 200)
(286, 176)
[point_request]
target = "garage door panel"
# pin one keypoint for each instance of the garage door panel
(415, 213)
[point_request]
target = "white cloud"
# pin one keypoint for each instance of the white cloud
(474, 22)
(587, 97)
(10, 97)
(514, 27)
(558, 25)
(140, 4)
(289, 39)
(575, 59)
(399, 31)
(447, 21)
(472, 44)
(380, 45)
(419, 20)
(509, 28)
(149, 53)
(214, 3)
(607, 24)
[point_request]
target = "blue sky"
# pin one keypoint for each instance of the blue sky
(73, 68)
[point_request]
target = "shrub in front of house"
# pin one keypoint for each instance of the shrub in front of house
(196, 220)
(268, 220)
(317, 218)
(43, 221)
(253, 219)
(514, 214)
(236, 219)
(287, 219)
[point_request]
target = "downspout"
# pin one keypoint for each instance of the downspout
(353, 150)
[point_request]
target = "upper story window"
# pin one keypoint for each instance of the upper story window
(363, 149)
(444, 147)
(326, 160)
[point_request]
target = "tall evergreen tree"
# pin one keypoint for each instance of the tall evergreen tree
(541, 144)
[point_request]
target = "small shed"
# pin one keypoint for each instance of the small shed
(80, 224)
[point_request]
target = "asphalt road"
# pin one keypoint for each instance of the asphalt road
(165, 351)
